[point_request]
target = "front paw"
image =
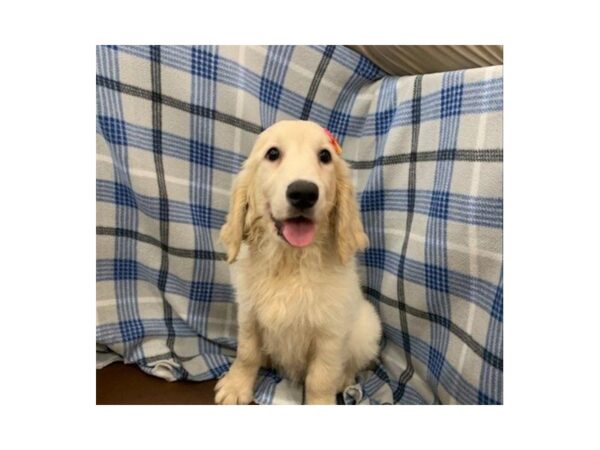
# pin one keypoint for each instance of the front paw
(234, 388)
(320, 399)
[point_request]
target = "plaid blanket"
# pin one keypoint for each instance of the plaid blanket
(174, 125)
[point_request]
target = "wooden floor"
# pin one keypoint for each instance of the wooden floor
(121, 384)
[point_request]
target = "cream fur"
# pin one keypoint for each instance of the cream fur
(300, 310)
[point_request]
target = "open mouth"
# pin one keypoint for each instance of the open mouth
(297, 231)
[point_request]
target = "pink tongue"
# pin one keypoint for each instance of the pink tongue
(299, 234)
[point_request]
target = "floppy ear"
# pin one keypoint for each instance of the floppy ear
(233, 231)
(348, 230)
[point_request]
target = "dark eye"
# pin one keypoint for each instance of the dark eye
(324, 156)
(272, 154)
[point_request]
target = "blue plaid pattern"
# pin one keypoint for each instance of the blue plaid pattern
(204, 63)
(174, 125)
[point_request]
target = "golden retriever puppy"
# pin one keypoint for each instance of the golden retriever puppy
(293, 227)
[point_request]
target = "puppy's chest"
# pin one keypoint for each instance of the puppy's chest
(290, 303)
(296, 299)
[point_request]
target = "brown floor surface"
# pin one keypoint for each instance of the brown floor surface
(126, 384)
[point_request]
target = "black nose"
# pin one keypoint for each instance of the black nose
(302, 194)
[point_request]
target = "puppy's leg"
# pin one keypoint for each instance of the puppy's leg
(324, 372)
(237, 386)
(363, 342)
(348, 378)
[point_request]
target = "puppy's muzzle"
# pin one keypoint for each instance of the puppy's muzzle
(302, 194)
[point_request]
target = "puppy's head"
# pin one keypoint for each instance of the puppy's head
(293, 185)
